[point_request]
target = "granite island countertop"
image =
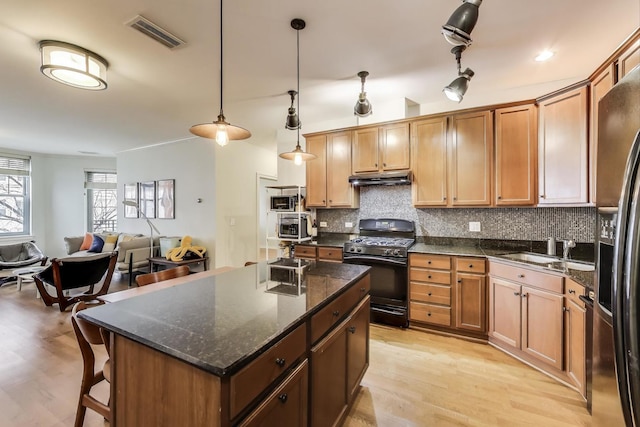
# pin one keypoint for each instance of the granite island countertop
(220, 323)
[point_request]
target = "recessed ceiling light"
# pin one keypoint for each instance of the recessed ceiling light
(544, 55)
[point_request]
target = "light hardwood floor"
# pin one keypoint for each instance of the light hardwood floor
(414, 379)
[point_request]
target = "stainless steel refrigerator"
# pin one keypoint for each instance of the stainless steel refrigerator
(616, 323)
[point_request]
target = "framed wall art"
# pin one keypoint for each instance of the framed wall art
(147, 197)
(165, 207)
(131, 195)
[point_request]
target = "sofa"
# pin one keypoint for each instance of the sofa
(133, 249)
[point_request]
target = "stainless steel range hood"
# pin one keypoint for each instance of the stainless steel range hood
(387, 178)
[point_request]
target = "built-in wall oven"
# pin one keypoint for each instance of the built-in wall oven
(383, 245)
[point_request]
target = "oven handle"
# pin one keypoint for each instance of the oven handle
(359, 259)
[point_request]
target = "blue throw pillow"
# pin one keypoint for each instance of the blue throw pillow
(97, 244)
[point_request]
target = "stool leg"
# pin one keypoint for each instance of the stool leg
(19, 283)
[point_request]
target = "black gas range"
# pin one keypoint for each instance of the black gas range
(383, 244)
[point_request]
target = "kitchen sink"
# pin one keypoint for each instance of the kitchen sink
(550, 261)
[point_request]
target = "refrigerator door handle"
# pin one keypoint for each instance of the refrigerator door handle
(625, 275)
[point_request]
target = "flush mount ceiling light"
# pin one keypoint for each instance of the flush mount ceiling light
(298, 155)
(363, 107)
(220, 130)
(544, 56)
(293, 122)
(457, 30)
(73, 65)
(456, 90)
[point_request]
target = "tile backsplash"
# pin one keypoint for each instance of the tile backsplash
(576, 223)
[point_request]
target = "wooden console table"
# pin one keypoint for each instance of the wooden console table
(156, 261)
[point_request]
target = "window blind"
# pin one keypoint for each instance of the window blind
(101, 181)
(15, 165)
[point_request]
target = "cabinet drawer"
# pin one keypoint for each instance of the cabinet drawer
(538, 279)
(431, 276)
(303, 251)
(430, 313)
(323, 320)
(441, 262)
(247, 384)
(330, 254)
(471, 265)
(436, 294)
(573, 290)
(288, 402)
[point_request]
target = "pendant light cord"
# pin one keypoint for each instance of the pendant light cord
(298, 70)
(221, 66)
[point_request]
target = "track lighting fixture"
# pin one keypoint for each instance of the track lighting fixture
(293, 122)
(297, 155)
(456, 90)
(457, 30)
(363, 107)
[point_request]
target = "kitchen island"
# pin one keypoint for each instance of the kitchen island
(230, 349)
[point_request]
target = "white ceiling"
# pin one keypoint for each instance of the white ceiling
(156, 94)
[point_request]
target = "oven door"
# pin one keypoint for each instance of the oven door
(388, 288)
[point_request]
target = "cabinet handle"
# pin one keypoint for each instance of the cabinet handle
(521, 276)
(429, 294)
(459, 280)
(336, 313)
(330, 200)
(470, 265)
(363, 289)
(455, 198)
(572, 291)
(499, 197)
(565, 309)
(516, 293)
(352, 329)
(283, 398)
(444, 198)
(280, 362)
(542, 196)
(428, 314)
(375, 164)
(384, 164)
(524, 295)
(429, 277)
(429, 262)
(323, 201)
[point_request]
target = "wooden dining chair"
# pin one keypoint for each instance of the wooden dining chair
(249, 263)
(88, 336)
(159, 276)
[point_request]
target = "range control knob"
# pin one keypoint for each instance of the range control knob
(359, 249)
(396, 252)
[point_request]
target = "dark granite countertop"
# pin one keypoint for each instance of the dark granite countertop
(220, 323)
(336, 240)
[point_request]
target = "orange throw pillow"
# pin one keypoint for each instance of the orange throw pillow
(86, 243)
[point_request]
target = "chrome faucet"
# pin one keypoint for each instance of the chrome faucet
(566, 247)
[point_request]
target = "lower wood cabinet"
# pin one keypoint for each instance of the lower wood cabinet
(338, 362)
(320, 253)
(575, 319)
(287, 405)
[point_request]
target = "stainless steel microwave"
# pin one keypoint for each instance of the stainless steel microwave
(284, 203)
(293, 227)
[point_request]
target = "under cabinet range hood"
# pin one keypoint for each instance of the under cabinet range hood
(387, 178)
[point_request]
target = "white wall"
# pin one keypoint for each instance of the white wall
(192, 164)
(58, 202)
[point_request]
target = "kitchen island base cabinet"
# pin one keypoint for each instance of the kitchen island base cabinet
(338, 363)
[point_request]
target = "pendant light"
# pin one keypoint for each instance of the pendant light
(457, 30)
(220, 130)
(293, 122)
(363, 107)
(298, 155)
(456, 90)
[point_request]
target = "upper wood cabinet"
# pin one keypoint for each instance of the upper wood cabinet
(429, 162)
(600, 85)
(380, 149)
(562, 148)
(516, 155)
(628, 59)
(328, 175)
(470, 159)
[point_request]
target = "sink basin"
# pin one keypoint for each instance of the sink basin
(550, 261)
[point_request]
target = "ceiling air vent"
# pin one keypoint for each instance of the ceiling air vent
(150, 29)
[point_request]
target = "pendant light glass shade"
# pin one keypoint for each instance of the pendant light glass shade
(456, 90)
(457, 30)
(220, 130)
(363, 107)
(73, 65)
(297, 155)
(293, 122)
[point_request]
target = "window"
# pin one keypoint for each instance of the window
(102, 201)
(15, 212)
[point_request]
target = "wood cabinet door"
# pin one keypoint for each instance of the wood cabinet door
(471, 302)
(287, 405)
(600, 85)
(365, 150)
(328, 378)
(394, 147)
(516, 155)
(505, 311)
(317, 172)
(542, 320)
(628, 60)
(339, 190)
(429, 162)
(471, 159)
(357, 347)
(562, 146)
(575, 329)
